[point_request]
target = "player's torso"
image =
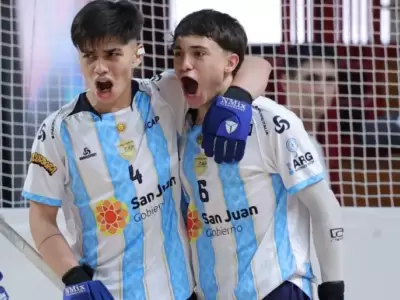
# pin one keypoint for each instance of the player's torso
(235, 218)
(124, 167)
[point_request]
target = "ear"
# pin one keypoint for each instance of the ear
(232, 62)
(138, 56)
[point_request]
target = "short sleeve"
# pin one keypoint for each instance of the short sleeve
(294, 156)
(170, 90)
(46, 174)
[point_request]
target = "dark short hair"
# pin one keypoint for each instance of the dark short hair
(223, 29)
(300, 54)
(102, 19)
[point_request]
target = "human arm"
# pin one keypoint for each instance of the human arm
(328, 229)
(252, 77)
(249, 83)
(298, 163)
(48, 238)
(227, 122)
(44, 187)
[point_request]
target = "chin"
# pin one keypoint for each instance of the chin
(106, 98)
(194, 101)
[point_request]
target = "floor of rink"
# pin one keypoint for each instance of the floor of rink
(372, 257)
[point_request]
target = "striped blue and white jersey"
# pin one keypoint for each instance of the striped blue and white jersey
(248, 230)
(116, 177)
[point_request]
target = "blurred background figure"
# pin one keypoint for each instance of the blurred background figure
(309, 85)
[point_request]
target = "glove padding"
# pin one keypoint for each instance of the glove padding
(3, 293)
(225, 129)
(89, 290)
(331, 290)
(79, 285)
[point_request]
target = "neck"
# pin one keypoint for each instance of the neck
(308, 126)
(202, 110)
(123, 101)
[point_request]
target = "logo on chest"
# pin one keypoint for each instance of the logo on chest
(200, 164)
(127, 149)
(87, 153)
(152, 122)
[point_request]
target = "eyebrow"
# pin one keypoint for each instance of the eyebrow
(195, 47)
(106, 51)
(331, 77)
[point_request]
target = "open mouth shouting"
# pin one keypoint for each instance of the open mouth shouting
(103, 88)
(190, 86)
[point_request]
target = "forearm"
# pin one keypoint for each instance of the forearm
(253, 75)
(52, 245)
(327, 221)
(329, 251)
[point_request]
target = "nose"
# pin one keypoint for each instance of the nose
(186, 63)
(101, 67)
(321, 87)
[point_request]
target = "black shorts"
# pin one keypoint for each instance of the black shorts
(192, 297)
(287, 291)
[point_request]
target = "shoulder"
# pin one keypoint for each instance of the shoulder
(273, 115)
(166, 79)
(52, 123)
(317, 146)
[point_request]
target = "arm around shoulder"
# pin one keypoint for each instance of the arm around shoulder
(168, 89)
(253, 75)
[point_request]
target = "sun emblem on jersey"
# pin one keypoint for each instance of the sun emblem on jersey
(194, 224)
(121, 127)
(111, 216)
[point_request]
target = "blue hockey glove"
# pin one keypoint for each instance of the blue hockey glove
(89, 290)
(79, 285)
(3, 293)
(226, 126)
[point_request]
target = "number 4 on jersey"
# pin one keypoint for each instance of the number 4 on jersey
(135, 175)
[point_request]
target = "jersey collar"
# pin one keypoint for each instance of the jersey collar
(83, 104)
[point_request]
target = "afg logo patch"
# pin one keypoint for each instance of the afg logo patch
(42, 161)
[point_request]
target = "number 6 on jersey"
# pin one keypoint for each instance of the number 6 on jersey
(204, 197)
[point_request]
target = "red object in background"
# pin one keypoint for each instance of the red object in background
(365, 60)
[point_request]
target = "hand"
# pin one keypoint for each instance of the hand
(90, 290)
(226, 127)
(3, 293)
(80, 286)
(331, 290)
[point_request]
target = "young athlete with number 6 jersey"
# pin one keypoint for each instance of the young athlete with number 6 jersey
(249, 222)
(109, 159)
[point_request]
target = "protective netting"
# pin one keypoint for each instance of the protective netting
(356, 88)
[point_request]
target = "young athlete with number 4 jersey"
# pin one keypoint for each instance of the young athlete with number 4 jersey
(109, 159)
(249, 222)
